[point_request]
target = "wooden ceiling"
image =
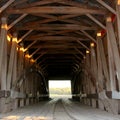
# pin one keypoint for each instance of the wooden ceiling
(57, 33)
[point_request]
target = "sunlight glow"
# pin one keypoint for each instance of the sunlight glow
(59, 83)
(60, 88)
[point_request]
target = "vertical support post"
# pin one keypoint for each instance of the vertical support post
(3, 62)
(100, 72)
(12, 62)
(21, 60)
(113, 42)
(12, 71)
(14, 76)
(20, 71)
(94, 66)
(104, 64)
(87, 62)
(118, 20)
(111, 64)
(86, 81)
(94, 72)
(27, 83)
(3, 52)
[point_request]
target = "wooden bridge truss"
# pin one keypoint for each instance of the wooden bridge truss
(40, 39)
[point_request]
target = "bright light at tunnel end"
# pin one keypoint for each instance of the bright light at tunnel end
(60, 88)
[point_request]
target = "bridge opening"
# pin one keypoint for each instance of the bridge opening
(60, 88)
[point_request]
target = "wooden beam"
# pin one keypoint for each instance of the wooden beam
(56, 27)
(104, 63)
(113, 42)
(96, 21)
(35, 52)
(11, 61)
(50, 33)
(87, 66)
(56, 46)
(4, 93)
(77, 57)
(16, 94)
(93, 96)
(52, 38)
(16, 21)
(79, 52)
(6, 5)
(3, 53)
(100, 69)
(45, 16)
(39, 3)
(15, 72)
(40, 56)
(38, 22)
(51, 18)
(74, 4)
(55, 10)
(106, 6)
(94, 69)
(59, 51)
(24, 36)
(89, 36)
(42, 61)
(83, 45)
(66, 2)
(118, 21)
(19, 2)
(30, 45)
(112, 72)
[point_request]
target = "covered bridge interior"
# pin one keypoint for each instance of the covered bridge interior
(60, 39)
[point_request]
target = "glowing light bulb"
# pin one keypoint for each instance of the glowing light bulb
(22, 49)
(4, 26)
(109, 19)
(87, 51)
(99, 34)
(32, 60)
(14, 40)
(92, 44)
(28, 56)
(8, 38)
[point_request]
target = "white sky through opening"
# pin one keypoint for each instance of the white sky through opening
(63, 85)
(59, 83)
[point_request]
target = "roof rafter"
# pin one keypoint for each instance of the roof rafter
(24, 36)
(35, 52)
(106, 6)
(51, 18)
(6, 5)
(56, 27)
(83, 45)
(30, 45)
(79, 51)
(16, 21)
(89, 36)
(56, 10)
(96, 21)
(49, 38)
